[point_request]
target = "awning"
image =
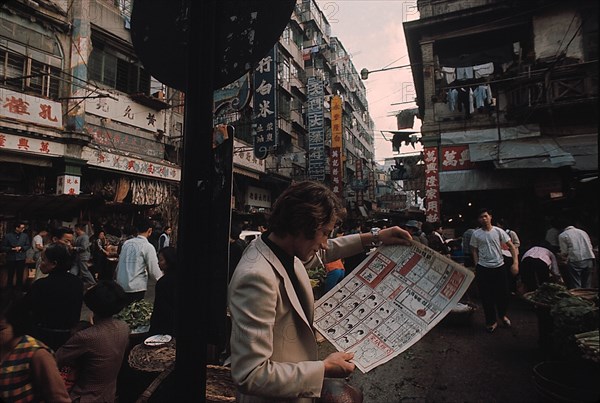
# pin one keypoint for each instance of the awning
(245, 172)
(492, 134)
(46, 206)
(580, 152)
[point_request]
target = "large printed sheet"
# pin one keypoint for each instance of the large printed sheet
(391, 300)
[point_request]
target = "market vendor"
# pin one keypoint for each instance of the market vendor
(273, 347)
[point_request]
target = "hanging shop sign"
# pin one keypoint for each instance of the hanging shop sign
(243, 156)
(130, 165)
(316, 136)
(68, 185)
(235, 95)
(38, 146)
(359, 184)
(432, 185)
(335, 160)
(30, 109)
(265, 105)
(335, 153)
(125, 110)
(455, 158)
(336, 121)
(258, 197)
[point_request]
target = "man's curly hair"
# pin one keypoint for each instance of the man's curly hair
(303, 208)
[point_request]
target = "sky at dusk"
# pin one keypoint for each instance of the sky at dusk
(371, 31)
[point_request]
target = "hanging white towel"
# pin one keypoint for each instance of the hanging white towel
(449, 73)
(483, 70)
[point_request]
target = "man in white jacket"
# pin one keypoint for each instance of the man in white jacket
(273, 347)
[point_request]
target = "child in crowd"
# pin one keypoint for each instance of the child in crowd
(27, 367)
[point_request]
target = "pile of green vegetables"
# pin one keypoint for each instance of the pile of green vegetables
(549, 294)
(589, 344)
(137, 314)
(317, 276)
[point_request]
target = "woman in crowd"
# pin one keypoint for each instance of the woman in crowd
(162, 320)
(96, 353)
(100, 255)
(28, 371)
(56, 300)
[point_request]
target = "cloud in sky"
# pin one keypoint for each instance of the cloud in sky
(372, 32)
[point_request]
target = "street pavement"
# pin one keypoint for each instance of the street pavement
(458, 361)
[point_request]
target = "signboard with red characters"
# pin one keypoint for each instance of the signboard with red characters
(455, 158)
(432, 185)
(68, 185)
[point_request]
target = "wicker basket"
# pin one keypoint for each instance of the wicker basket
(589, 294)
(219, 385)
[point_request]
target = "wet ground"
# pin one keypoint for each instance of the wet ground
(458, 361)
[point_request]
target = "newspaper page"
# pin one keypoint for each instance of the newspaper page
(391, 300)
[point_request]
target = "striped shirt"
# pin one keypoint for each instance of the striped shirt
(16, 382)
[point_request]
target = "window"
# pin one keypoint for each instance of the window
(30, 58)
(114, 72)
(22, 73)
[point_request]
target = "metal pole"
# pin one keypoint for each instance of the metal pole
(195, 207)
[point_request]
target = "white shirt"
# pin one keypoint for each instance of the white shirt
(575, 245)
(514, 238)
(489, 246)
(137, 260)
(545, 255)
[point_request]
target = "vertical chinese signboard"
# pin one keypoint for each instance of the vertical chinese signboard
(316, 137)
(265, 105)
(335, 156)
(359, 179)
(432, 185)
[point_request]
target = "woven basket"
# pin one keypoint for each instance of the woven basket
(152, 359)
(589, 294)
(219, 385)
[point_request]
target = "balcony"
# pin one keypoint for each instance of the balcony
(573, 85)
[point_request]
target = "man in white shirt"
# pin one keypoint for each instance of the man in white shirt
(137, 261)
(490, 272)
(576, 249)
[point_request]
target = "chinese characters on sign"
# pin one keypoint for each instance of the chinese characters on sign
(432, 185)
(456, 158)
(32, 145)
(243, 156)
(360, 196)
(258, 197)
(316, 135)
(126, 111)
(335, 157)
(27, 108)
(128, 164)
(265, 105)
(68, 185)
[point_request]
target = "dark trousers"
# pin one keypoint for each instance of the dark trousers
(493, 292)
(15, 267)
(534, 272)
(134, 296)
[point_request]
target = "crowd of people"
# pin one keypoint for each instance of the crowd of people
(49, 350)
(49, 353)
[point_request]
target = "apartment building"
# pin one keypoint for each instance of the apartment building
(506, 92)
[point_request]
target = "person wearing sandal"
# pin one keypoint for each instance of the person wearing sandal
(490, 273)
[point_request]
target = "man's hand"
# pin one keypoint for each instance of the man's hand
(338, 365)
(514, 269)
(394, 236)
